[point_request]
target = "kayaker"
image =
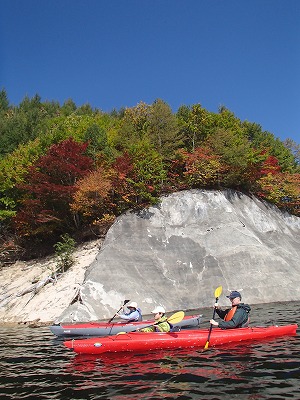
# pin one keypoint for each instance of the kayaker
(134, 313)
(235, 317)
(161, 324)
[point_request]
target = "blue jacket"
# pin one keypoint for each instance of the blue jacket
(134, 315)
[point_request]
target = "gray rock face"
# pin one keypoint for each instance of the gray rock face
(177, 253)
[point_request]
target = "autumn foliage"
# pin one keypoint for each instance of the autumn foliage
(48, 192)
(79, 169)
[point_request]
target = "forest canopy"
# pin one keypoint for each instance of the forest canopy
(68, 169)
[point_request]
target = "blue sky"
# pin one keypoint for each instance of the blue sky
(243, 54)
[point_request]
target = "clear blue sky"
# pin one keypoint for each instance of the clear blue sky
(243, 54)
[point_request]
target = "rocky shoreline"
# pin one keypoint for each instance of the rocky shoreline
(41, 308)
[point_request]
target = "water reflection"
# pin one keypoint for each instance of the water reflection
(225, 371)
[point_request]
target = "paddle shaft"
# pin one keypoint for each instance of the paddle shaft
(218, 292)
(211, 325)
(125, 302)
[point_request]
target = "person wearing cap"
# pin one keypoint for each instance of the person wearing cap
(161, 323)
(235, 317)
(133, 314)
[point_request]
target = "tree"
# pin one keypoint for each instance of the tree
(4, 102)
(22, 124)
(92, 197)
(132, 127)
(203, 168)
(294, 148)
(235, 151)
(13, 169)
(97, 140)
(266, 141)
(197, 124)
(50, 186)
(282, 189)
(148, 173)
(68, 108)
(163, 130)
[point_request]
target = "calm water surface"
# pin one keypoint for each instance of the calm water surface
(35, 365)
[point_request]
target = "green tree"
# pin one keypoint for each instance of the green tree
(4, 102)
(163, 130)
(132, 127)
(198, 125)
(294, 148)
(19, 125)
(266, 141)
(148, 173)
(13, 169)
(235, 151)
(97, 140)
(64, 253)
(68, 108)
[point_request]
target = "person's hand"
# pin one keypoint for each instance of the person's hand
(216, 305)
(213, 322)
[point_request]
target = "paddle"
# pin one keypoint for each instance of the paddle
(173, 319)
(125, 302)
(218, 292)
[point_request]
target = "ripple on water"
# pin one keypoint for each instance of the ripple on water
(34, 364)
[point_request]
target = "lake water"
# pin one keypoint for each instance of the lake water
(35, 365)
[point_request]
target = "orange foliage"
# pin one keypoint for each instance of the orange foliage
(92, 194)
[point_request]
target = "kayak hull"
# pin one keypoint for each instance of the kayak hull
(142, 341)
(105, 329)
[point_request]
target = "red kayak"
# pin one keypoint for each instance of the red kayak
(145, 341)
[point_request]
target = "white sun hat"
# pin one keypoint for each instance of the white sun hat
(158, 309)
(133, 304)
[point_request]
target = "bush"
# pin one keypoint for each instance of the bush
(63, 252)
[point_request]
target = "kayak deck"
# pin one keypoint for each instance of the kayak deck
(142, 341)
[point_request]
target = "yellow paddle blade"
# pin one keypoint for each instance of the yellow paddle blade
(206, 345)
(218, 292)
(177, 317)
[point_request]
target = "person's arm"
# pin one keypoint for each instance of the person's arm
(149, 329)
(130, 316)
(221, 313)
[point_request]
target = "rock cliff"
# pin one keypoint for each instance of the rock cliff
(176, 253)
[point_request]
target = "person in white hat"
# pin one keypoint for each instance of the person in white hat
(161, 323)
(133, 314)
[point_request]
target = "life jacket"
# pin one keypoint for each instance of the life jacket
(164, 323)
(230, 314)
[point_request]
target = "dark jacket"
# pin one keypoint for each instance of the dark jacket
(239, 319)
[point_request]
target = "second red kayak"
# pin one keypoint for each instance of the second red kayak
(141, 341)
